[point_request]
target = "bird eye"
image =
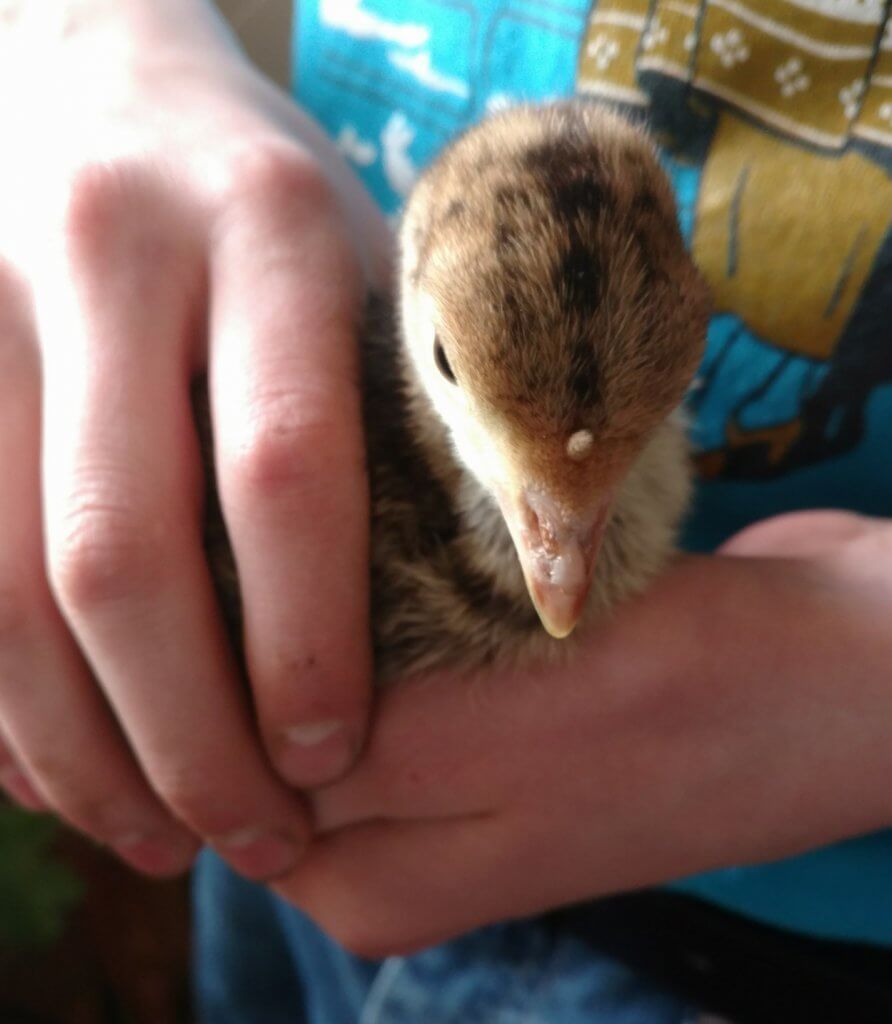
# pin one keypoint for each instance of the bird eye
(442, 362)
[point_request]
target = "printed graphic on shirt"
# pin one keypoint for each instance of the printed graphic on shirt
(392, 87)
(776, 120)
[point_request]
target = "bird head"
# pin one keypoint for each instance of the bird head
(554, 320)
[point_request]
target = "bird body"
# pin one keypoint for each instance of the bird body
(447, 586)
(520, 397)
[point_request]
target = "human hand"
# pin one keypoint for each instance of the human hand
(730, 715)
(165, 211)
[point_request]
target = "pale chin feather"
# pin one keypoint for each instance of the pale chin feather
(479, 457)
(452, 403)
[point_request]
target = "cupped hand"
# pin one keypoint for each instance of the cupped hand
(165, 212)
(729, 716)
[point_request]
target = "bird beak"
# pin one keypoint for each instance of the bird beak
(557, 553)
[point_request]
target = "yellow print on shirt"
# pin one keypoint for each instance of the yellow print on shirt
(791, 104)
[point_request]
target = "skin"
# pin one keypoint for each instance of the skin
(693, 739)
(180, 216)
(680, 740)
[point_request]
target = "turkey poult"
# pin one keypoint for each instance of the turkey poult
(524, 449)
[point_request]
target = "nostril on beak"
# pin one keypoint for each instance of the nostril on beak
(541, 531)
(557, 550)
(545, 510)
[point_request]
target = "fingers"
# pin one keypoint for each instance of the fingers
(62, 748)
(16, 784)
(290, 456)
(445, 746)
(15, 340)
(438, 748)
(123, 533)
(66, 742)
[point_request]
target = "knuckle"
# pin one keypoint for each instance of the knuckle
(282, 450)
(115, 216)
(104, 553)
(91, 206)
(274, 170)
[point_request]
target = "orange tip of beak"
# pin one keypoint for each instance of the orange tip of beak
(558, 609)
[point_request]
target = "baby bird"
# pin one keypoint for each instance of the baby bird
(524, 449)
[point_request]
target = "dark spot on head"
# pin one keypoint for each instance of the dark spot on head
(512, 198)
(577, 276)
(484, 161)
(550, 156)
(569, 172)
(576, 199)
(645, 203)
(456, 208)
(506, 235)
(512, 311)
(583, 378)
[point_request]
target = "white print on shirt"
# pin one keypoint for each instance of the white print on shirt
(349, 17)
(358, 151)
(499, 101)
(419, 66)
(396, 137)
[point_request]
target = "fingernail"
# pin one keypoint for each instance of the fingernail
(153, 855)
(20, 789)
(258, 852)
(315, 752)
(313, 733)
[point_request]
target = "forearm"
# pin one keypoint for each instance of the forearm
(767, 669)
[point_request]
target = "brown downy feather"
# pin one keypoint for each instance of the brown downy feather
(575, 319)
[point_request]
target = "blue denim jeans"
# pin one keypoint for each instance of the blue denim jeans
(260, 961)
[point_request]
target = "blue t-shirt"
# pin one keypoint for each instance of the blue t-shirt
(775, 121)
